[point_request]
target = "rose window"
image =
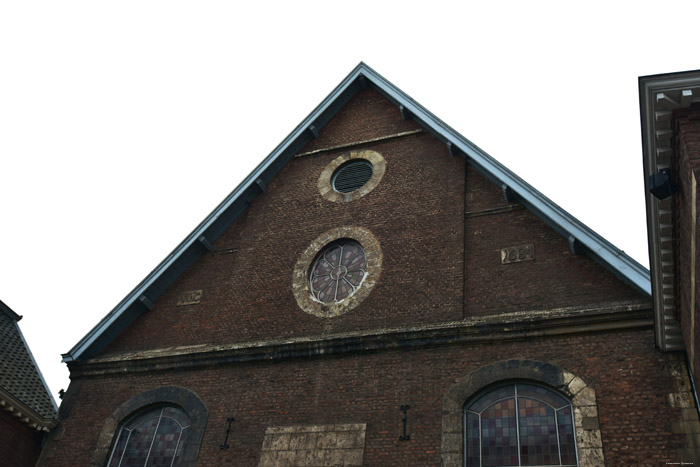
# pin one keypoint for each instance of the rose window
(338, 271)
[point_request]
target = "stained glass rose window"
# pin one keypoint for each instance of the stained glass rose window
(338, 271)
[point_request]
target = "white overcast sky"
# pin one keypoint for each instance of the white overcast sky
(123, 124)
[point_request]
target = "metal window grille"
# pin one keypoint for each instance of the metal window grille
(352, 176)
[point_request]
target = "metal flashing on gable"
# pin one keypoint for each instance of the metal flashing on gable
(237, 202)
(659, 97)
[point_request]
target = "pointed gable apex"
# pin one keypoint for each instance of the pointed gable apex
(142, 298)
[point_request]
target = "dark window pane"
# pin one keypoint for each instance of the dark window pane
(499, 445)
(119, 447)
(541, 415)
(541, 393)
(155, 437)
(566, 436)
(165, 443)
(490, 397)
(338, 271)
(139, 443)
(332, 255)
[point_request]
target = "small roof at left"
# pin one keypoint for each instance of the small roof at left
(23, 390)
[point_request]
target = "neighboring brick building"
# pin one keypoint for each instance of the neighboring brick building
(670, 108)
(27, 411)
(379, 291)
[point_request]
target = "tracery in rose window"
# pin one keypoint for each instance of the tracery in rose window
(338, 271)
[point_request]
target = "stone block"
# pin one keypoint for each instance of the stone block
(449, 459)
(297, 441)
(686, 426)
(452, 422)
(268, 459)
(582, 412)
(591, 457)
(585, 397)
(279, 429)
(680, 400)
(360, 437)
(328, 440)
(279, 442)
(590, 423)
(334, 457)
(589, 439)
(345, 440)
(314, 457)
(451, 442)
(353, 457)
(576, 385)
(286, 459)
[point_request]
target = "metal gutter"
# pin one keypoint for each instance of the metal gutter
(147, 292)
(131, 301)
(622, 265)
(659, 96)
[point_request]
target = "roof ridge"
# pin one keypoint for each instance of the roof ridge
(200, 240)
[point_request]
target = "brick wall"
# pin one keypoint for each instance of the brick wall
(417, 213)
(19, 444)
(688, 160)
(441, 227)
(630, 378)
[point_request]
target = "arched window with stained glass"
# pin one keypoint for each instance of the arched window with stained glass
(156, 436)
(519, 424)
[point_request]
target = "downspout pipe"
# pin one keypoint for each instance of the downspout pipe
(692, 384)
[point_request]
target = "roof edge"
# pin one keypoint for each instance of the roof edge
(24, 413)
(8, 311)
(137, 301)
(659, 95)
(132, 298)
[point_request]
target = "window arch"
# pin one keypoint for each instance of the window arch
(156, 436)
(580, 394)
(161, 421)
(519, 424)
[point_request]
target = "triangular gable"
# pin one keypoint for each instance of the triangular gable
(142, 298)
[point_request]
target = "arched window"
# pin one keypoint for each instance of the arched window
(519, 424)
(156, 436)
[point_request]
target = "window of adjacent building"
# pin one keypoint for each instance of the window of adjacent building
(519, 424)
(338, 271)
(156, 436)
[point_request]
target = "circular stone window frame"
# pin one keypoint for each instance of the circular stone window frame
(325, 180)
(302, 269)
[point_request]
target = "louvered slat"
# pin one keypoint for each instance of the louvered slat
(352, 176)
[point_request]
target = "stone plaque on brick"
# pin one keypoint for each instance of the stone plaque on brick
(190, 297)
(517, 254)
(313, 445)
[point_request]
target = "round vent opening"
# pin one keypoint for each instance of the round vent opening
(352, 175)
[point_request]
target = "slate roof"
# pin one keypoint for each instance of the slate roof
(19, 373)
(581, 238)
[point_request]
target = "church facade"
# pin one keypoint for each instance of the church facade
(380, 291)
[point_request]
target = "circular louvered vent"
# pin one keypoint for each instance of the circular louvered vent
(352, 176)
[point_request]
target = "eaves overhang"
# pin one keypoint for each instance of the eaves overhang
(24, 413)
(659, 97)
(200, 240)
